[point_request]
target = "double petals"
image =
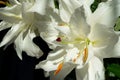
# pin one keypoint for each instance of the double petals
(24, 18)
(84, 39)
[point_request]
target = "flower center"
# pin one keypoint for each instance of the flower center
(77, 41)
(80, 42)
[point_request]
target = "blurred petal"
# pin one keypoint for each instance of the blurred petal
(47, 65)
(71, 54)
(67, 7)
(51, 4)
(87, 6)
(10, 14)
(88, 2)
(106, 13)
(109, 52)
(102, 36)
(4, 25)
(27, 16)
(13, 2)
(49, 35)
(31, 48)
(28, 1)
(67, 68)
(18, 45)
(82, 73)
(39, 6)
(53, 59)
(95, 72)
(91, 71)
(11, 34)
(78, 23)
(116, 49)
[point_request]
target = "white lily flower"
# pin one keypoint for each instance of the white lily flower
(83, 41)
(66, 9)
(24, 17)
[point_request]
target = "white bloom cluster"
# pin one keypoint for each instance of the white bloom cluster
(78, 37)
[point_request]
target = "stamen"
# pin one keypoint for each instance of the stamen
(58, 68)
(85, 55)
(58, 39)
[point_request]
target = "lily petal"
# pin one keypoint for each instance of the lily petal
(102, 36)
(109, 52)
(39, 6)
(96, 72)
(82, 73)
(51, 4)
(10, 14)
(27, 16)
(87, 5)
(11, 34)
(88, 2)
(116, 49)
(4, 25)
(28, 1)
(106, 13)
(31, 48)
(91, 71)
(78, 23)
(66, 69)
(13, 2)
(50, 35)
(53, 59)
(47, 65)
(18, 45)
(67, 7)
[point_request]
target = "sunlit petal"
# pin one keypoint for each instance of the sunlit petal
(67, 7)
(78, 23)
(11, 34)
(67, 68)
(106, 13)
(10, 14)
(18, 45)
(101, 36)
(4, 25)
(31, 48)
(95, 72)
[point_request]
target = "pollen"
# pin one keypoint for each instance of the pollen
(58, 68)
(85, 55)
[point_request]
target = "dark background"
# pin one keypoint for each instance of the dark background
(12, 68)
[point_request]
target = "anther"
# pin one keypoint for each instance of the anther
(58, 68)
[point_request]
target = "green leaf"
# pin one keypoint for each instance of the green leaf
(117, 25)
(95, 5)
(115, 69)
